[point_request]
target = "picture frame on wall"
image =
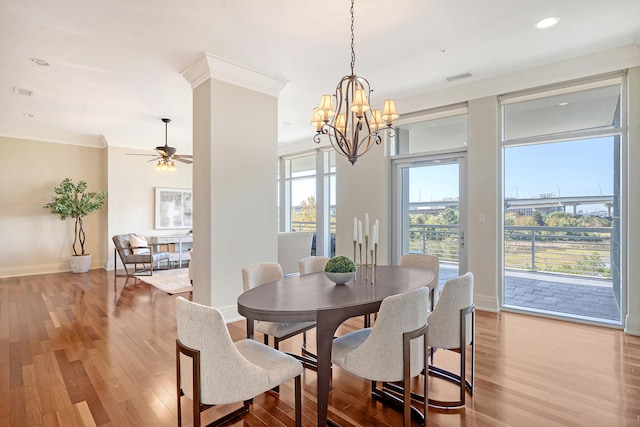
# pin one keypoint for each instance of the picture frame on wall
(174, 208)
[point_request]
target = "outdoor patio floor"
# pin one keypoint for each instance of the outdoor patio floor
(590, 299)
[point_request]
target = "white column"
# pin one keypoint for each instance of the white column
(632, 321)
(483, 197)
(234, 176)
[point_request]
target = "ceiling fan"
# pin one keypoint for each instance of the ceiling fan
(167, 155)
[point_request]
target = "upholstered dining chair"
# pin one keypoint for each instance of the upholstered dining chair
(312, 264)
(427, 262)
(452, 327)
(264, 272)
(213, 370)
(394, 349)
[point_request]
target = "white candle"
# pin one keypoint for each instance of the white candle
(360, 232)
(372, 241)
(366, 224)
(377, 226)
(355, 229)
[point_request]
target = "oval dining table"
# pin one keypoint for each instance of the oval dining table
(312, 297)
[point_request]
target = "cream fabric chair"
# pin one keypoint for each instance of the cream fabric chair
(452, 327)
(312, 264)
(213, 370)
(291, 247)
(427, 262)
(394, 349)
(264, 272)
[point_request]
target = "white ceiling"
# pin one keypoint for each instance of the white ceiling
(115, 65)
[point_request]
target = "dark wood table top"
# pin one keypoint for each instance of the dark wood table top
(313, 297)
(298, 298)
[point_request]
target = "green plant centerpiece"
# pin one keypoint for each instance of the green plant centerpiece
(74, 201)
(340, 269)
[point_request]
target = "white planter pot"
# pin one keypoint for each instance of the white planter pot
(80, 263)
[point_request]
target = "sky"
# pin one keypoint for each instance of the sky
(571, 168)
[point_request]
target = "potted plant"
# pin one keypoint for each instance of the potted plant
(73, 201)
(340, 269)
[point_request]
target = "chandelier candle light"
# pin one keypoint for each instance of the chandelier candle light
(353, 128)
(370, 244)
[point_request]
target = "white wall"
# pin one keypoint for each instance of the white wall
(132, 181)
(483, 198)
(34, 240)
(632, 325)
(363, 188)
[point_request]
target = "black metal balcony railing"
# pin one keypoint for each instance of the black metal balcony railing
(584, 251)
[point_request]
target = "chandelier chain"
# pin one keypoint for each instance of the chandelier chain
(353, 52)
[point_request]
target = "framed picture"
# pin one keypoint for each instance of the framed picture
(174, 208)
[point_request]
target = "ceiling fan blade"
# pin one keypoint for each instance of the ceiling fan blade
(185, 156)
(155, 158)
(180, 159)
(138, 154)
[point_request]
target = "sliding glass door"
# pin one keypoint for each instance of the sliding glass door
(430, 210)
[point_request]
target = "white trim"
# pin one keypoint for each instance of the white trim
(32, 270)
(207, 66)
(432, 114)
(611, 79)
(93, 141)
(486, 303)
(631, 327)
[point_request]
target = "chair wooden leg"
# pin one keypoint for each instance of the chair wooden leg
(298, 407)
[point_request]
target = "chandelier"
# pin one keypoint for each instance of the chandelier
(353, 128)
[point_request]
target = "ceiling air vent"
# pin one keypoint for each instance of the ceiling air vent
(458, 77)
(23, 92)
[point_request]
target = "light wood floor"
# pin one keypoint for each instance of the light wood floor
(90, 350)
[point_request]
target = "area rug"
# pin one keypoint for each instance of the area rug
(172, 282)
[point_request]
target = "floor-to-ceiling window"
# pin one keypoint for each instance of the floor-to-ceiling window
(307, 197)
(429, 167)
(563, 205)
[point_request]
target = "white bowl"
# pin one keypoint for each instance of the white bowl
(340, 278)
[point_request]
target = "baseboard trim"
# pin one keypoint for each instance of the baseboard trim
(632, 326)
(485, 303)
(33, 270)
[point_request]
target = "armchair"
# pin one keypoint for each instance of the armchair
(127, 253)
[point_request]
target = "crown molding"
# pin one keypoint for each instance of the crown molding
(208, 66)
(93, 141)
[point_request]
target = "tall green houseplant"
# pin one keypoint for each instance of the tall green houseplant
(73, 201)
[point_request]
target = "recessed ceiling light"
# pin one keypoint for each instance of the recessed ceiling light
(28, 115)
(562, 104)
(39, 61)
(547, 22)
(443, 52)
